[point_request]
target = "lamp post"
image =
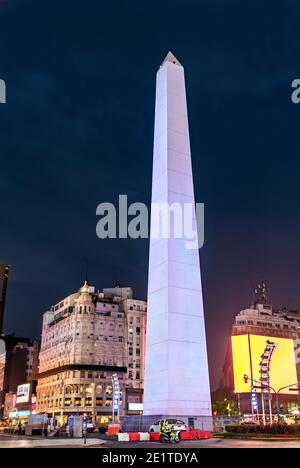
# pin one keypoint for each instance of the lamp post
(84, 428)
(116, 397)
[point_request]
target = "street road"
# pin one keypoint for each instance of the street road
(13, 441)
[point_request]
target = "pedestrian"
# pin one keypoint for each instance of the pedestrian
(19, 427)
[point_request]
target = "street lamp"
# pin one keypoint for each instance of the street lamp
(116, 396)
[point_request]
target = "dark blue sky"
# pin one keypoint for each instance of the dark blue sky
(77, 130)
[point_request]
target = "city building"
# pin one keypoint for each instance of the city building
(176, 352)
(136, 313)
(18, 364)
(86, 338)
(262, 320)
(4, 273)
(9, 410)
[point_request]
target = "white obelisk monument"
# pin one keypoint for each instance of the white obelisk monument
(176, 370)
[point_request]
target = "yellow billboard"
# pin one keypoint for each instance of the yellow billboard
(246, 353)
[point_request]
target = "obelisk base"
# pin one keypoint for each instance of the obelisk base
(137, 423)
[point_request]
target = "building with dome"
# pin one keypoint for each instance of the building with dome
(86, 338)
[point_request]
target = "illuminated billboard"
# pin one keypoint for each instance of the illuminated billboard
(23, 393)
(135, 406)
(246, 353)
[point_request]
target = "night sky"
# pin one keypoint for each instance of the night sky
(77, 130)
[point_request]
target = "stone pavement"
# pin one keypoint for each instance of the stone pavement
(11, 441)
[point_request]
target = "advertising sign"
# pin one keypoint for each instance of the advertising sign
(247, 351)
(23, 393)
(135, 406)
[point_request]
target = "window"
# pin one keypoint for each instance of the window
(108, 402)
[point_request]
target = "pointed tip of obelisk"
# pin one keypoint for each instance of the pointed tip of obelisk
(170, 57)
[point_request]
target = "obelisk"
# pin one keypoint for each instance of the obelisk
(176, 370)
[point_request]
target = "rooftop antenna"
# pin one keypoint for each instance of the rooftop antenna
(86, 271)
(260, 293)
(120, 277)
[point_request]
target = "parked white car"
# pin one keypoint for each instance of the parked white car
(174, 424)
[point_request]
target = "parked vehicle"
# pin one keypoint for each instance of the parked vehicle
(174, 424)
(4, 426)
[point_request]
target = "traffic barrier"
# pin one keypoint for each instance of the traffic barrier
(203, 435)
(113, 429)
(134, 436)
(123, 437)
(188, 435)
(154, 436)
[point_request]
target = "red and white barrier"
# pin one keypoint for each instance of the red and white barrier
(133, 436)
(123, 437)
(155, 436)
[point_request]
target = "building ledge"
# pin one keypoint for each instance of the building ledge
(90, 367)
